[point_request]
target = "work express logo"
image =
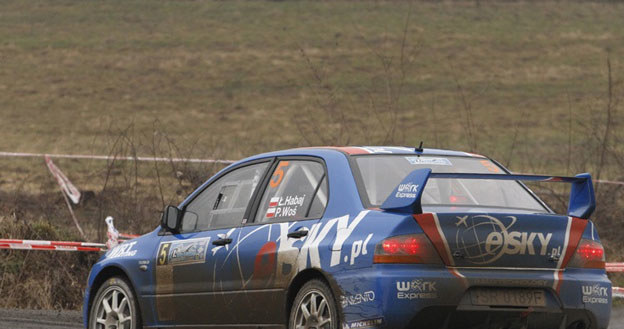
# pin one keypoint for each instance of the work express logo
(595, 294)
(407, 190)
(416, 289)
(483, 239)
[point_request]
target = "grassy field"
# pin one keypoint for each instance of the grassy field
(536, 85)
(245, 77)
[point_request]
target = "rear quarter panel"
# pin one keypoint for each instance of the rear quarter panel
(362, 293)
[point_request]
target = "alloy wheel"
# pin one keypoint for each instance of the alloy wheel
(114, 310)
(313, 312)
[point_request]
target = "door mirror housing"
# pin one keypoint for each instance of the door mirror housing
(170, 220)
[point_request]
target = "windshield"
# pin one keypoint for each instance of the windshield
(380, 174)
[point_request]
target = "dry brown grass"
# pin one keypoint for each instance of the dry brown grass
(41, 279)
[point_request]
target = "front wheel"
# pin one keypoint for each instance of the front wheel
(314, 308)
(114, 306)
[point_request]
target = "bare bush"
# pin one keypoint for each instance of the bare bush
(41, 279)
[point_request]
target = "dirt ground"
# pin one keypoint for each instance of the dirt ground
(39, 319)
(42, 319)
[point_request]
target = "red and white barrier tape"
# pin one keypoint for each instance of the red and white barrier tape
(617, 292)
(615, 267)
(113, 240)
(51, 245)
(162, 159)
(108, 157)
(66, 185)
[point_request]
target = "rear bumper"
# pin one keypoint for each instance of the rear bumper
(410, 296)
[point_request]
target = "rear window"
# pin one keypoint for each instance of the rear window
(380, 174)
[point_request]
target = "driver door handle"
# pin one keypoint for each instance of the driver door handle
(297, 234)
(222, 242)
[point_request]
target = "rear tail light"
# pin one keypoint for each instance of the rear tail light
(589, 254)
(406, 249)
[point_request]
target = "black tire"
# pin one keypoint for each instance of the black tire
(115, 297)
(317, 299)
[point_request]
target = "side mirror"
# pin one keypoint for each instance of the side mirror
(170, 220)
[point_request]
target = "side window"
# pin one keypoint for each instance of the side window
(223, 203)
(297, 189)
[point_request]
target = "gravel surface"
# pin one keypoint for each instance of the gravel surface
(43, 319)
(617, 318)
(39, 319)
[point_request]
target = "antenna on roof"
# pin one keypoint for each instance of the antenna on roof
(419, 148)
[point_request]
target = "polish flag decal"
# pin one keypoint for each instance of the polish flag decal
(274, 201)
(270, 213)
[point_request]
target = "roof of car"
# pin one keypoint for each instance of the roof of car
(360, 150)
(335, 152)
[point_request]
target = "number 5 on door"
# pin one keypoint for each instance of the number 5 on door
(278, 175)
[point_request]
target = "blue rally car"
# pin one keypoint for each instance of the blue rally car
(360, 237)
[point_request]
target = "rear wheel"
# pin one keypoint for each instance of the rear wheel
(114, 306)
(314, 308)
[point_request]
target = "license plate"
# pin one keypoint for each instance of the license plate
(508, 297)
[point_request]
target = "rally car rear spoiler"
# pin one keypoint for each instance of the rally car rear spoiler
(406, 196)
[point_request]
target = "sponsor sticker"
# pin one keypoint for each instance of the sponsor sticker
(123, 250)
(183, 252)
(416, 289)
(407, 190)
(365, 297)
(358, 248)
(429, 161)
(369, 323)
(595, 294)
(496, 239)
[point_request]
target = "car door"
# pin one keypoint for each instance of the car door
(268, 248)
(186, 263)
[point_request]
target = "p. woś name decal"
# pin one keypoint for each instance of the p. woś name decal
(285, 206)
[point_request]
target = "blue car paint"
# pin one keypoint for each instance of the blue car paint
(341, 245)
(405, 198)
(582, 198)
